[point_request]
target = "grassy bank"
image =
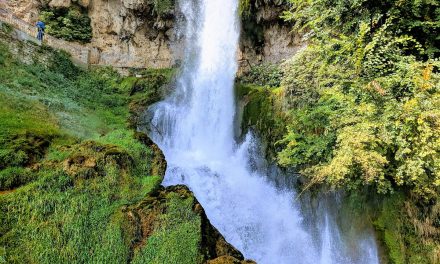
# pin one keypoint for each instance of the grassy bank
(69, 157)
(78, 183)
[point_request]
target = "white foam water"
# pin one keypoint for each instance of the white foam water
(194, 128)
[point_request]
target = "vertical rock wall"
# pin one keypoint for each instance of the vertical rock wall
(266, 38)
(133, 34)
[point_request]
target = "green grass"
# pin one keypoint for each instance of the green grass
(57, 219)
(85, 105)
(177, 236)
(68, 161)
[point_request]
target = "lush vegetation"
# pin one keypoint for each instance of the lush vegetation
(365, 95)
(73, 171)
(364, 112)
(178, 228)
(268, 75)
(261, 105)
(72, 24)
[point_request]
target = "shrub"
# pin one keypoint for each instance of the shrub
(162, 7)
(364, 98)
(263, 75)
(71, 24)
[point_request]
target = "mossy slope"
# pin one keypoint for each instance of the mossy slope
(74, 175)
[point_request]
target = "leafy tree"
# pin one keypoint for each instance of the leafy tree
(364, 95)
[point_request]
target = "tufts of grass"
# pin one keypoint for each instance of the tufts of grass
(68, 161)
(13, 177)
(57, 219)
(177, 235)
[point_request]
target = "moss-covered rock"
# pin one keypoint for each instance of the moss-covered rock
(407, 231)
(170, 226)
(259, 111)
(158, 162)
(152, 87)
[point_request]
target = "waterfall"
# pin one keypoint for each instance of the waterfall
(194, 128)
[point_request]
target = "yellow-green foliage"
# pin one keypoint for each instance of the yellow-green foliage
(365, 111)
(244, 7)
(364, 105)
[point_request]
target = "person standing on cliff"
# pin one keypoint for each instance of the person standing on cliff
(41, 27)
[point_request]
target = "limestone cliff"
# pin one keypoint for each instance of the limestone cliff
(142, 33)
(265, 36)
(126, 33)
(130, 33)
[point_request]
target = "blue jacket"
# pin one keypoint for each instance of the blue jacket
(40, 24)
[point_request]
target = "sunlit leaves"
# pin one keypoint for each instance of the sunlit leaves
(364, 96)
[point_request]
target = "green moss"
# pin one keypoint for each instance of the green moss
(397, 236)
(261, 113)
(149, 89)
(389, 223)
(128, 83)
(18, 117)
(177, 236)
(66, 220)
(72, 207)
(26, 128)
(6, 28)
(13, 177)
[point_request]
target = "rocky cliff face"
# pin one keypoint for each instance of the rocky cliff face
(265, 37)
(142, 33)
(131, 33)
(126, 33)
(24, 9)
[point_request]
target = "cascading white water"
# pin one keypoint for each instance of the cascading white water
(194, 128)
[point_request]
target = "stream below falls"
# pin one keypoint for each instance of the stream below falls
(194, 127)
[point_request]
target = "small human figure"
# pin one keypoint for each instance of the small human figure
(41, 27)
